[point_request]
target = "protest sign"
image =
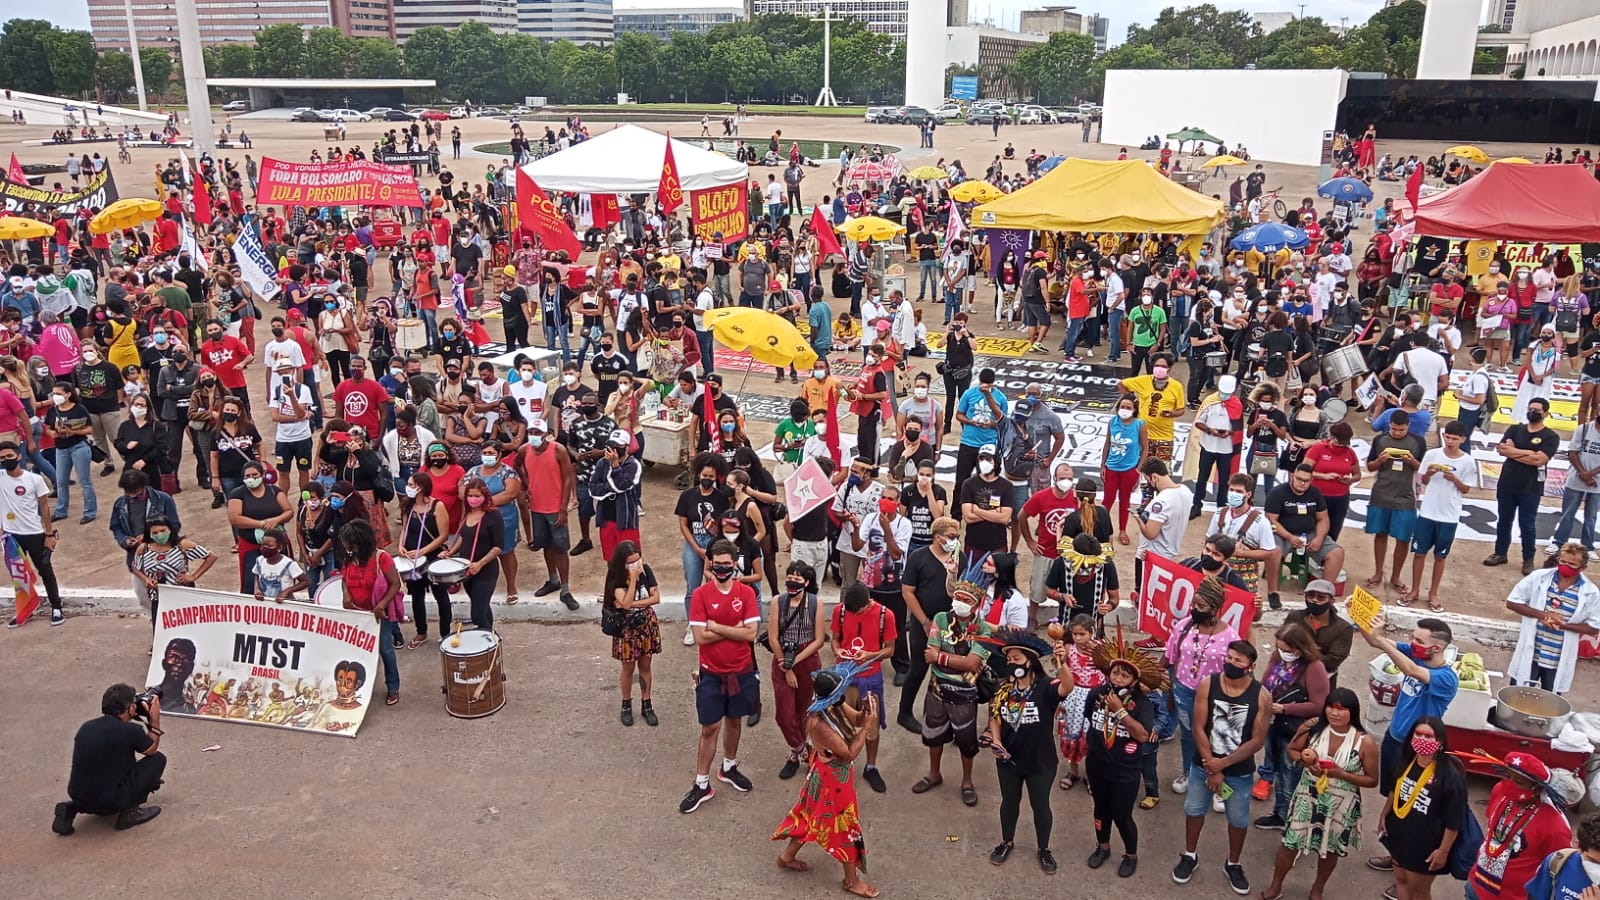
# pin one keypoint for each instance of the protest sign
(1169, 591)
(355, 182)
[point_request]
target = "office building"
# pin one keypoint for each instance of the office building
(883, 16)
(661, 22)
(1502, 13)
(1552, 38)
(578, 21)
(410, 16)
(1052, 19)
(235, 21)
(992, 51)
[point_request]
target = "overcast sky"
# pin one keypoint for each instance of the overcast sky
(75, 13)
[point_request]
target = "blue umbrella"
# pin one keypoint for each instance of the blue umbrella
(1051, 163)
(1349, 190)
(1270, 237)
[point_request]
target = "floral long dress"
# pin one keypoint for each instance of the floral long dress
(1327, 820)
(826, 813)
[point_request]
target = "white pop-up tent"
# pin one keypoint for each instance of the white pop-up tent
(627, 160)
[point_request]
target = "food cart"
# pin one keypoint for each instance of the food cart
(669, 441)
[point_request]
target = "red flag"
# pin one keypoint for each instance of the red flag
(1414, 188)
(827, 241)
(708, 416)
(537, 216)
(605, 210)
(670, 190)
(832, 437)
(16, 174)
(202, 200)
(24, 579)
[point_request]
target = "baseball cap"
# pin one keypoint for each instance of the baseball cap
(1320, 586)
(621, 438)
(1227, 384)
(986, 450)
(1528, 766)
(510, 270)
(1038, 254)
(295, 315)
(538, 426)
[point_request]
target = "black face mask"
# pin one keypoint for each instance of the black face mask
(277, 332)
(607, 348)
(1535, 416)
(10, 465)
(1203, 617)
(707, 484)
(1318, 609)
(1210, 564)
(913, 435)
(439, 463)
(592, 412)
(796, 587)
(230, 417)
(722, 572)
(1233, 672)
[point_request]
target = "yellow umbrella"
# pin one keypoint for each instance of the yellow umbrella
(769, 337)
(1469, 153)
(928, 173)
(125, 214)
(1515, 160)
(976, 192)
(870, 228)
(1216, 161)
(17, 228)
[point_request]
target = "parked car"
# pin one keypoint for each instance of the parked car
(1067, 114)
(949, 111)
(458, 112)
(378, 112)
(521, 111)
(348, 115)
(398, 115)
(488, 111)
(1032, 114)
(235, 106)
(305, 114)
(877, 115)
(432, 115)
(987, 116)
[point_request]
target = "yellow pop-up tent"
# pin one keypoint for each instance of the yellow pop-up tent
(1125, 196)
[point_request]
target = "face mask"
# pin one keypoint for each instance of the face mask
(230, 417)
(1203, 617)
(214, 335)
(538, 440)
(438, 462)
(1063, 485)
(58, 400)
(951, 544)
(139, 412)
(1566, 571)
(10, 465)
(607, 348)
(727, 427)
(159, 338)
(1421, 653)
(336, 502)
(1019, 672)
(1424, 746)
(796, 587)
(1592, 870)
(568, 380)
(707, 484)
(819, 374)
(449, 332)
(489, 460)
(1288, 657)
(986, 466)
(162, 537)
(1535, 416)
(91, 358)
(1124, 414)
(722, 572)
(961, 609)
(277, 332)
(1147, 301)
(42, 372)
(913, 435)
(1233, 672)
(1160, 372)
(252, 481)
(1235, 499)
(870, 360)
(1267, 404)
(475, 501)
(1318, 609)
(270, 554)
(733, 535)
(888, 507)
(1210, 564)
(821, 427)
(920, 393)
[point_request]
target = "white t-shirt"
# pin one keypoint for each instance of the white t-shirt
(292, 431)
(1260, 534)
(1013, 612)
(274, 579)
(1427, 367)
(1441, 500)
(871, 531)
(1584, 451)
(1449, 338)
(491, 393)
(626, 305)
(1215, 416)
(530, 398)
(774, 192)
(288, 348)
(19, 501)
(1477, 385)
(1171, 508)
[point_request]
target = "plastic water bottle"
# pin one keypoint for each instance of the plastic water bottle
(1305, 541)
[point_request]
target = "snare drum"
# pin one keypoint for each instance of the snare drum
(1217, 359)
(447, 570)
(1343, 364)
(409, 569)
(473, 676)
(330, 592)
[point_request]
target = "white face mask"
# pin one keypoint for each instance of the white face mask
(871, 360)
(527, 377)
(951, 544)
(58, 400)
(986, 466)
(920, 393)
(1288, 657)
(412, 492)
(536, 440)
(569, 380)
(961, 609)
(1124, 414)
(1308, 399)
(819, 374)
(1591, 869)
(822, 428)
(1063, 485)
(1267, 404)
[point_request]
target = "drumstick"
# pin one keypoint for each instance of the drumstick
(455, 640)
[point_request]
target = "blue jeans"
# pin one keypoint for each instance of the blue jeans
(75, 459)
(317, 574)
(707, 362)
(387, 632)
(1524, 506)
(1179, 329)
(1165, 723)
(1185, 698)
(927, 273)
(952, 304)
(1570, 501)
(551, 334)
(1276, 768)
(802, 283)
(1074, 331)
(1197, 802)
(589, 340)
(43, 462)
(1114, 325)
(774, 212)
(694, 572)
(430, 325)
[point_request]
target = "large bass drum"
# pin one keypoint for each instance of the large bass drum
(1343, 364)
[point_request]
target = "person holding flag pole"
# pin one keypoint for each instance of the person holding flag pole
(28, 546)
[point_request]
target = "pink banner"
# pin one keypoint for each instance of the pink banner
(352, 183)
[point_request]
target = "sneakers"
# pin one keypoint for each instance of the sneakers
(874, 779)
(1275, 603)
(1527, 567)
(648, 713)
(688, 636)
(57, 617)
(1236, 879)
(585, 546)
(1271, 822)
(1262, 790)
(1380, 863)
(1180, 785)
(1098, 857)
(696, 796)
(1184, 870)
(130, 818)
(736, 778)
(1130, 865)
(62, 825)
(1001, 853)
(548, 588)
(1047, 861)
(909, 722)
(1552, 548)
(1217, 805)
(791, 767)
(569, 601)
(1495, 559)
(12, 622)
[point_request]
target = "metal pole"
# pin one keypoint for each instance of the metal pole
(825, 97)
(194, 78)
(133, 51)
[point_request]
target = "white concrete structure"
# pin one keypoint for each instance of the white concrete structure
(39, 109)
(1449, 36)
(1554, 38)
(925, 55)
(1305, 104)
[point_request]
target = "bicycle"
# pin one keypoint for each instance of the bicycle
(1279, 208)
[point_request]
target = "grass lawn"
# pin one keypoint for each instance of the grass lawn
(722, 109)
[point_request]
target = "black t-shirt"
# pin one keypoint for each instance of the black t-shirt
(1431, 252)
(1521, 478)
(1201, 331)
(704, 511)
(1591, 363)
(512, 305)
(76, 417)
(1083, 592)
(255, 508)
(234, 450)
(987, 495)
(453, 349)
(466, 258)
(927, 246)
(102, 761)
(813, 526)
(1113, 752)
(606, 369)
(1027, 726)
(920, 513)
(1072, 525)
(1277, 347)
(926, 576)
(708, 426)
(1266, 440)
(1297, 513)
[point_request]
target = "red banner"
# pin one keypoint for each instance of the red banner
(723, 209)
(1169, 592)
(537, 216)
(827, 241)
(353, 183)
(15, 173)
(605, 210)
(670, 190)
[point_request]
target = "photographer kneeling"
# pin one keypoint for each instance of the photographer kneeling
(106, 779)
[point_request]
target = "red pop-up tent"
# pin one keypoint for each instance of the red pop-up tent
(1556, 203)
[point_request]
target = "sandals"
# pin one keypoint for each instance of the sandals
(1406, 600)
(1375, 581)
(1149, 802)
(1067, 781)
(416, 642)
(923, 785)
(511, 599)
(860, 889)
(1399, 588)
(1435, 606)
(392, 698)
(794, 865)
(969, 795)
(1122, 539)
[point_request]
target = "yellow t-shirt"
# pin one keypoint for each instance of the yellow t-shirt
(815, 392)
(1152, 402)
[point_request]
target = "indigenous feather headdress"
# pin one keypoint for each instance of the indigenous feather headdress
(1122, 652)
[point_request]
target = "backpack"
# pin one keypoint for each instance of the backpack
(383, 483)
(1015, 446)
(879, 572)
(1491, 398)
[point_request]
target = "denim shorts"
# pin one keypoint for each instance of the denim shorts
(1435, 536)
(1197, 802)
(713, 703)
(873, 684)
(1397, 523)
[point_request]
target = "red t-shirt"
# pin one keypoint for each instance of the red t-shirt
(225, 358)
(1077, 299)
(1505, 877)
(441, 231)
(865, 632)
(734, 608)
(63, 230)
(1325, 457)
(1052, 511)
(361, 403)
(166, 235)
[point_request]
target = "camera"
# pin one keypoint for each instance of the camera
(789, 653)
(143, 701)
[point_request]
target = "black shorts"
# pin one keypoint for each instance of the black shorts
(296, 452)
(712, 703)
(547, 535)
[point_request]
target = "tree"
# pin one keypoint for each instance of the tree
(638, 64)
(231, 61)
(113, 74)
(473, 71)
(281, 52)
(376, 58)
(1293, 45)
(328, 53)
(527, 73)
(25, 55)
(156, 63)
(1200, 36)
(72, 62)
(740, 64)
(688, 57)
(426, 55)
(1060, 69)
